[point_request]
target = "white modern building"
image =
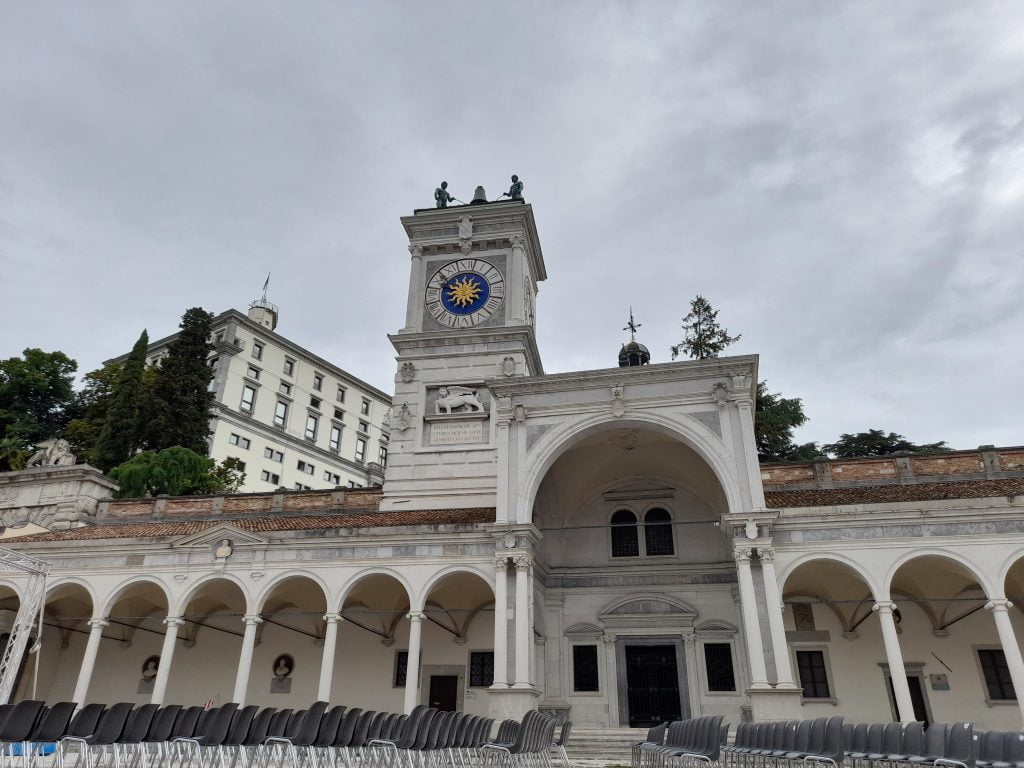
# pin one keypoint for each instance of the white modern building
(600, 544)
(295, 420)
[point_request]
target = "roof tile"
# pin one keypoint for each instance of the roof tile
(891, 494)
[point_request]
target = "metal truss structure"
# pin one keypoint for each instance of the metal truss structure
(25, 623)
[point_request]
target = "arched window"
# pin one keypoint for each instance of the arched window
(658, 532)
(625, 542)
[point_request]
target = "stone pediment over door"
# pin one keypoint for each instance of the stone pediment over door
(639, 611)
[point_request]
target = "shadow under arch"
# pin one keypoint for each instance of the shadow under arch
(1011, 578)
(563, 436)
(189, 595)
(376, 600)
(960, 573)
(874, 589)
(128, 585)
(458, 594)
(57, 586)
(834, 582)
(278, 581)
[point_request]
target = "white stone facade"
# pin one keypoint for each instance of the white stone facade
(294, 419)
(600, 544)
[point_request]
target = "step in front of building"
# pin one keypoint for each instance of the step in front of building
(603, 746)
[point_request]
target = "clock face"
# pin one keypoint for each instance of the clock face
(464, 293)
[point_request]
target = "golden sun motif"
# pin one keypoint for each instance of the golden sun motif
(464, 292)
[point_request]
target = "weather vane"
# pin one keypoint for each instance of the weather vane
(632, 325)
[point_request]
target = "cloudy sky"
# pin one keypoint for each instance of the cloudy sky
(843, 181)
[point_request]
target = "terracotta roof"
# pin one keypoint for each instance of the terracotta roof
(890, 494)
(267, 524)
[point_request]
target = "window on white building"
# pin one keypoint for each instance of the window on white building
(333, 478)
(658, 533)
(360, 449)
(339, 414)
(257, 350)
(364, 427)
(289, 367)
(584, 668)
(285, 388)
(270, 477)
(718, 664)
(318, 381)
(625, 542)
(301, 487)
(341, 394)
(248, 398)
(241, 442)
(273, 455)
(305, 466)
(312, 422)
(365, 407)
(335, 443)
(382, 456)
(997, 674)
(813, 674)
(314, 402)
(281, 413)
(253, 372)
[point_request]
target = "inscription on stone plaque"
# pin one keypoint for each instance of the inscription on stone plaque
(456, 432)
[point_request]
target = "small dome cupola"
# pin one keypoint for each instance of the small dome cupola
(633, 353)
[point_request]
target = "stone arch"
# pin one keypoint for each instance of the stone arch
(785, 572)
(12, 585)
(119, 591)
(937, 553)
(647, 604)
(261, 599)
(365, 573)
(65, 581)
(564, 435)
(370, 612)
(183, 600)
(1006, 571)
(463, 605)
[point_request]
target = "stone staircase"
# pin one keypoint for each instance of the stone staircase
(595, 747)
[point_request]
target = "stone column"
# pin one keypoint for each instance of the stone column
(611, 683)
(751, 625)
(163, 672)
(532, 645)
(523, 563)
(514, 285)
(780, 650)
(692, 682)
(416, 286)
(500, 622)
(245, 659)
(898, 673)
(1011, 648)
(412, 665)
(327, 662)
(92, 648)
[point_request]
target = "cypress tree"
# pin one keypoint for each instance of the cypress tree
(122, 428)
(181, 403)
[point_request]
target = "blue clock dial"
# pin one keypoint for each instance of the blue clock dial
(464, 293)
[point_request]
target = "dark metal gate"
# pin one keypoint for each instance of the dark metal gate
(652, 684)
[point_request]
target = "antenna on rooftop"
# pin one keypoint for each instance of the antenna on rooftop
(632, 325)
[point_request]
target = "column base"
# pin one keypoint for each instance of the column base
(512, 702)
(775, 703)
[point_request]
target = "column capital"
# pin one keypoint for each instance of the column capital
(415, 250)
(743, 554)
(415, 616)
(1000, 604)
(333, 618)
(766, 554)
(174, 621)
(690, 638)
(884, 606)
(522, 561)
(98, 623)
(501, 562)
(251, 620)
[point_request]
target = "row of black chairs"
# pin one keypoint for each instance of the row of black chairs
(686, 742)
(125, 736)
(758, 745)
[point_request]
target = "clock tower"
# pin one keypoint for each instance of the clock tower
(474, 274)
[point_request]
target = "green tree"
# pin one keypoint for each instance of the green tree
(122, 426)
(89, 411)
(35, 394)
(704, 337)
(179, 409)
(775, 418)
(875, 442)
(175, 471)
(13, 454)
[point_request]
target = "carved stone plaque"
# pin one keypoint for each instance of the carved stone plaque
(456, 432)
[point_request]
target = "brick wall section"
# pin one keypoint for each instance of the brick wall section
(193, 507)
(864, 471)
(301, 502)
(1011, 461)
(956, 464)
